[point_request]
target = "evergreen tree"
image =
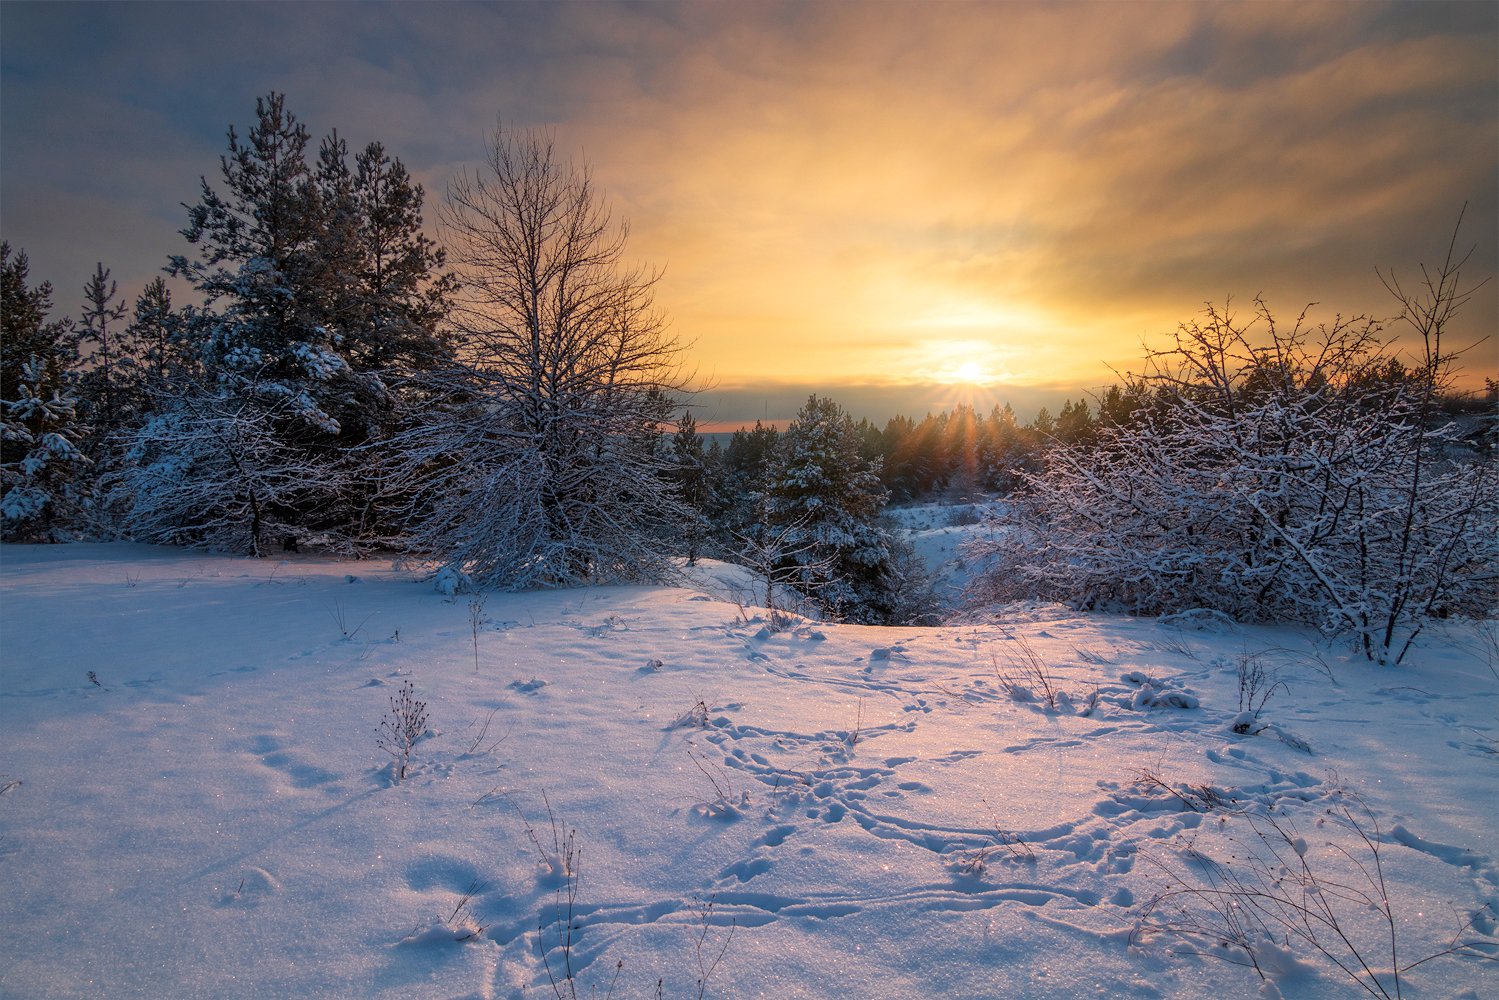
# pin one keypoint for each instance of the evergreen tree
(317, 284)
(1075, 424)
(691, 473)
(1117, 407)
(41, 434)
(896, 471)
(39, 454)
(158, 345)
(740, 474)
(962, 478)
(25, 333)
(824, 499)
(402, 292)
(100, 386)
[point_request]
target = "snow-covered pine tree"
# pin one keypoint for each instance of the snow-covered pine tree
(317, 283)
(100, 385)
(156, 333)
(1075, 425)
(25, 333)
(536, 464)
(737, 478)
(40, 459)
(820, 488)
(693, 476)
(41, 431)
(402, 292)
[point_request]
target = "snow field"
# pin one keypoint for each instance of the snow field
(936, 531)
(879, 812)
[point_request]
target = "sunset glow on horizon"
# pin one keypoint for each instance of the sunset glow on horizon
(1000, 197)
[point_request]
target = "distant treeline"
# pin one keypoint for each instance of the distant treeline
(961, 454)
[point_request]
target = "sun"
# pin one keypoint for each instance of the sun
(969, 371)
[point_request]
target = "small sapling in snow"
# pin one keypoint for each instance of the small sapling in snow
(1003, 841)
(401, 727)
(705, 969)
(93, 678)
(1256, 685)
(340, 617)
(475, 619)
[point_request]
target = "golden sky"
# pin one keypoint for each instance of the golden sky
(891, 192)
(847, 197)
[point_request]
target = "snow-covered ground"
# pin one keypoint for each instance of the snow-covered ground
(213, 818)
(937, 531)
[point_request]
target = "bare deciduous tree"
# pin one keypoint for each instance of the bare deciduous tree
(538, 464)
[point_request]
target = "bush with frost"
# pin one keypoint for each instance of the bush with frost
(1301, 475)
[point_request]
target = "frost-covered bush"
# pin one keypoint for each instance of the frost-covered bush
(212, 471)
(1301, 475)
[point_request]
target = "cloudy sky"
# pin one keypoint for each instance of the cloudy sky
(852, 198)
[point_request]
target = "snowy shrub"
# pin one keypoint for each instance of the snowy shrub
(1304, 475)
(535, 462)
(401, 727)
(212, 470)
(451, 582)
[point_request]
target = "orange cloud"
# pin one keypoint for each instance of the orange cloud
(831, 191)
